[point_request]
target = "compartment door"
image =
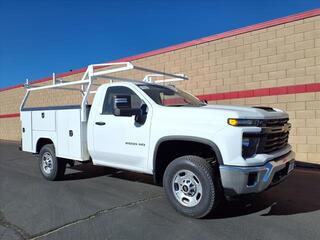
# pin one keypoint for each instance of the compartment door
(74, 131)
(44, 120)
(69, 134)
(62, 149)
(26, 131)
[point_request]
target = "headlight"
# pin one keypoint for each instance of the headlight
(249, 145)
(243, 122)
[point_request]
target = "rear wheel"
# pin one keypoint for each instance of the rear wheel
(191, 186)
(51, 167)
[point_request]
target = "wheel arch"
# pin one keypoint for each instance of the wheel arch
(157, 176)
(41, 142)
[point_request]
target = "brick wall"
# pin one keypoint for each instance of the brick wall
(277, 65)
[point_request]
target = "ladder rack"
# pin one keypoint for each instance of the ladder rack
(95, 71)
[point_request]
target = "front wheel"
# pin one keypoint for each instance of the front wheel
(191, 186)
(51, 167)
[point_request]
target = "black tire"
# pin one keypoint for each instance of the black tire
(56, 169)
(204, 173)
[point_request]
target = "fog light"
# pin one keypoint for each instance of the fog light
(252, 178)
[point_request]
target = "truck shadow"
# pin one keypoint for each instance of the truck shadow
(85, 171)
(300, 193)
(88, 170)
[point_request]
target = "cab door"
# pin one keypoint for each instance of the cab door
(120, 141)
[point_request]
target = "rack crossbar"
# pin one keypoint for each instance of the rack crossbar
(58, 85)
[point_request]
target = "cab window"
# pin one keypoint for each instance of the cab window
(107, 109)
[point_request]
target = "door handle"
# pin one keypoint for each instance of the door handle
(100, 123)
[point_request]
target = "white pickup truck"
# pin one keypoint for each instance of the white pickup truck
(200, 153)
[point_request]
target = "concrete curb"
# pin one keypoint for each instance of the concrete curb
(307, 165)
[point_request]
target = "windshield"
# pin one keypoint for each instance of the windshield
(170, 96)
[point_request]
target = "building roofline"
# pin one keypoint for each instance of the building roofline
(250, 28)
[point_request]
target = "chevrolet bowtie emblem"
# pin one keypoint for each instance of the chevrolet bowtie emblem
(286, 127)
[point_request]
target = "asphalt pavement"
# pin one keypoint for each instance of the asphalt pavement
(103, 203)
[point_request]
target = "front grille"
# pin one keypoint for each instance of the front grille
(273, 142)
(275, 135)
(275, 122)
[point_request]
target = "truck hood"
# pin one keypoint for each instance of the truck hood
(222, 112)
(206, 120)
(249, 112)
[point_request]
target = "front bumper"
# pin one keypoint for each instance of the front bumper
(245, 180)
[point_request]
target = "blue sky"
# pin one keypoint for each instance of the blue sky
(41, 37)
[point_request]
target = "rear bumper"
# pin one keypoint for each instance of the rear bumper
(245, 180)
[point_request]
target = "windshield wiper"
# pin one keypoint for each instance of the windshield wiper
(176, 105)
(186, 105)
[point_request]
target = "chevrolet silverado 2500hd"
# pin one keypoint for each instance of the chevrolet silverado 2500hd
(198, 152)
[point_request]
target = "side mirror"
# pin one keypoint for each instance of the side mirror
(122, 106)
(141, 115)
